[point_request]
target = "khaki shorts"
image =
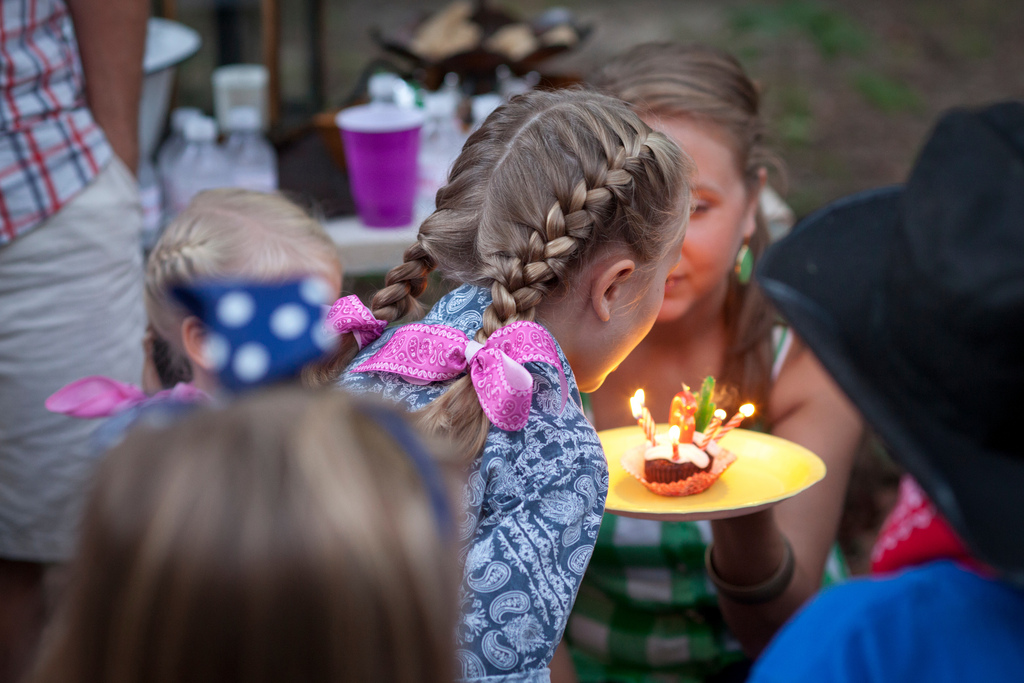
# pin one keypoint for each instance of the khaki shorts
(70, 306)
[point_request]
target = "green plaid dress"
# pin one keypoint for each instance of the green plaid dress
(646, 611)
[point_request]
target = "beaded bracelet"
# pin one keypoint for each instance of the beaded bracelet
(760, 593)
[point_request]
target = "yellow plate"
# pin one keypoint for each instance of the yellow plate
(767, 470)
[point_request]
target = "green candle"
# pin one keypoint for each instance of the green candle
(705, 406)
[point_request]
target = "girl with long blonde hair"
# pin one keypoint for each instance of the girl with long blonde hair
(561, 220)
(225, 234)
(259, 239)
(292, 536)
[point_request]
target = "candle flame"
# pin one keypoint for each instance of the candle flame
(747, 409)
(673, 433)
(636, 402)
(720, 414)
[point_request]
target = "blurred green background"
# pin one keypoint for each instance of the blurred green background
(850, 88)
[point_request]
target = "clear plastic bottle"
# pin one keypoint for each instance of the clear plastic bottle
(175, 142)
(450, 87)
(385, 86)
(169, 152)
(441, 141)
(381, 86)
(202, 165)
(252, 158)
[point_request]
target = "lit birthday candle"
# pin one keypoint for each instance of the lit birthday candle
(643, 416)
(673, 435)
(712, 429)
(745, 411)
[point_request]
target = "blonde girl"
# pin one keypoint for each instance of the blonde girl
(224, 234)
(651, 606)
(291, 536)
(561, 220)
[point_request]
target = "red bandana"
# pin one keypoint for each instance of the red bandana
(915, 533)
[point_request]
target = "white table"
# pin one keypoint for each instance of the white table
(370, 251)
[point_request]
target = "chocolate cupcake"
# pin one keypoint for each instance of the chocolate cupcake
(666, 471)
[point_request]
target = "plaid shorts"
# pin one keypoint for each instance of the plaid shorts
(71, 296)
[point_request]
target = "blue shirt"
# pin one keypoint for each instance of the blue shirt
(934, 623)
(533, 505)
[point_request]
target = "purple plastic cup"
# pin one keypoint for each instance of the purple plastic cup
(382, 142)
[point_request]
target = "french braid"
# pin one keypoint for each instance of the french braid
(404, 284)
(521, 282)
(547, 179)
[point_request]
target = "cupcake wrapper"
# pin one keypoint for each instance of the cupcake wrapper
(633, 462)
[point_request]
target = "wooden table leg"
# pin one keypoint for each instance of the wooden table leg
(270, 13)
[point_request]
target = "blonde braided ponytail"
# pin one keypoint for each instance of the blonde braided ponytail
(403, 285)
(545, 181)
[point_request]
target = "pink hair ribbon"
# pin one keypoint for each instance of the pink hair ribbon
(95, 396)
(348, 314)
(433, 353)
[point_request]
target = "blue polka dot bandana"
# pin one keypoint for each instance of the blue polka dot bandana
(262, 333)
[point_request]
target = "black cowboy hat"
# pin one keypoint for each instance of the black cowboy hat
(912, 297)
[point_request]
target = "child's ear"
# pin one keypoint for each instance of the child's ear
(607, 290)
(193, 336)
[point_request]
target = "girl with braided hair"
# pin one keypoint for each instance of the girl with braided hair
(265, 246)
(224, 234)
(691, 601)
(561, 220)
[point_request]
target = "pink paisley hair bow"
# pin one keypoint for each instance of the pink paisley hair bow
(434, 353)
(348, 314)
(95, 396)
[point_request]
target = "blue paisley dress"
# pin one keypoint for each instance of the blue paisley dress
(532, 511)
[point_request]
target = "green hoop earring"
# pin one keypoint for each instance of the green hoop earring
(744, 264)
